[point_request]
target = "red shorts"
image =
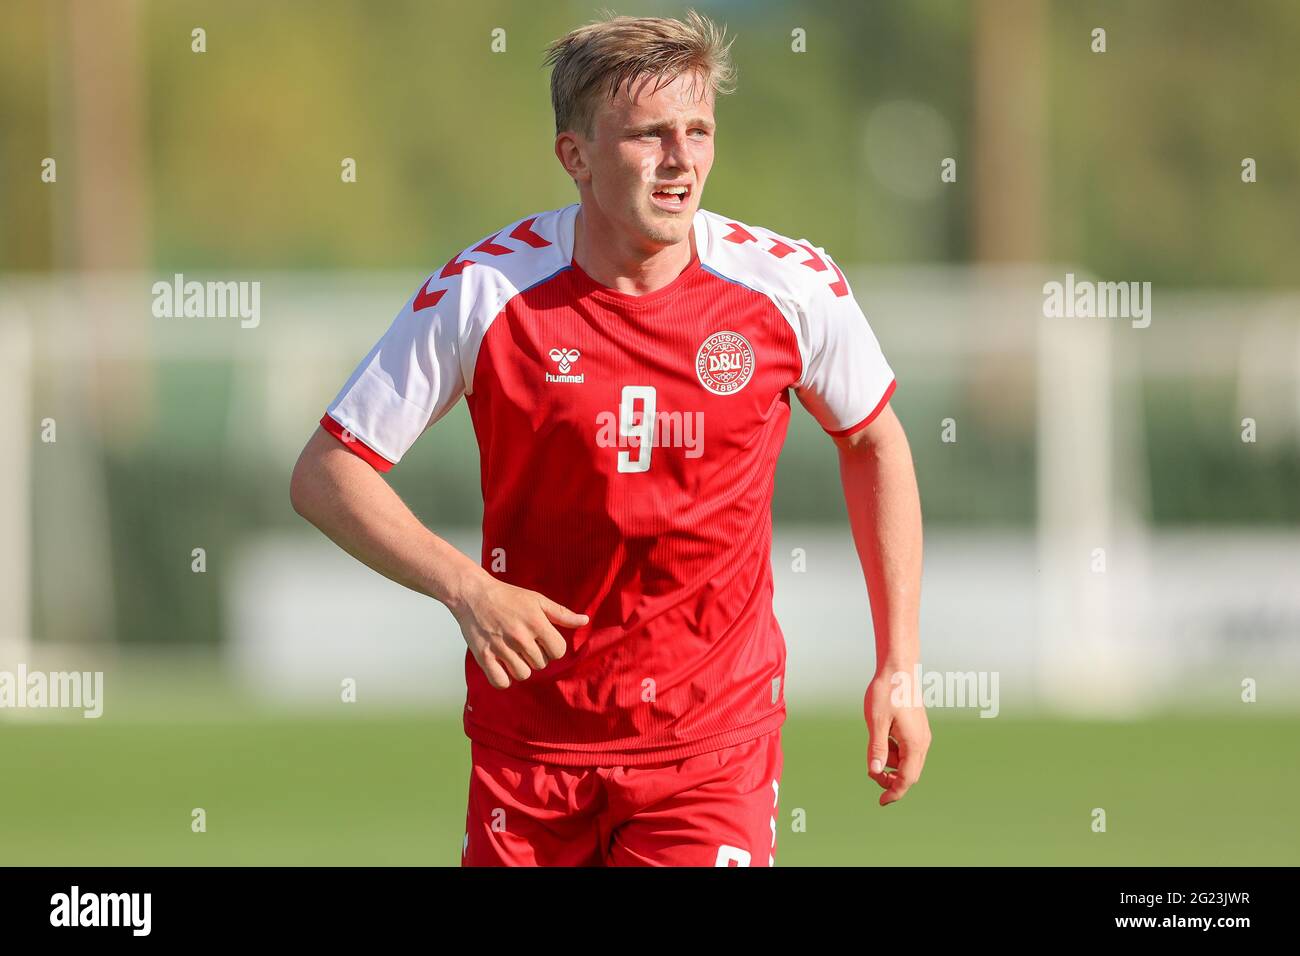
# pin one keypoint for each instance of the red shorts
(714, 809)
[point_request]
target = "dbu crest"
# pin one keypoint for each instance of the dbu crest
(725, 363)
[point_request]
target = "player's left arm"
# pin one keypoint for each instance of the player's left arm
(885, 515)
(846, 383)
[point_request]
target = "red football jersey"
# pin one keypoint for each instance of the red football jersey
(628, 448)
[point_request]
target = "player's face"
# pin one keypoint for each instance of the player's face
(650, 156)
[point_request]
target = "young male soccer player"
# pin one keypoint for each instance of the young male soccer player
(628, 363)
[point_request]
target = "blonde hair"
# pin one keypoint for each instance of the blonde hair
(600, 58)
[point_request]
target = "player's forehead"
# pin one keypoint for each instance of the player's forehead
(649, 101)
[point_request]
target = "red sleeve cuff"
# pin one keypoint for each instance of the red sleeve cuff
(880, 407)
(355, 445)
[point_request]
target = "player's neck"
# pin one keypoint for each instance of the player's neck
(610, 259)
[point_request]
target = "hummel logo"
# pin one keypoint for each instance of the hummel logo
(564, 359)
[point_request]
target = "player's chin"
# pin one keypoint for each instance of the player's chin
(667, 226)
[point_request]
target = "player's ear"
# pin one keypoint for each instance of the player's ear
(569, 152)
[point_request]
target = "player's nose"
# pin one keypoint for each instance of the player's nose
(677, 154)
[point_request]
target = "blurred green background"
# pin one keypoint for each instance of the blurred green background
(391, 791)
(1122, 165)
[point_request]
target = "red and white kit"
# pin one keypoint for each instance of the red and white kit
(628, 448)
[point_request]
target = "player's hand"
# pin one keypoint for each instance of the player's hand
(511, 631)
(899, 736)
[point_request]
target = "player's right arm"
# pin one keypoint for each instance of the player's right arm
(410, 379)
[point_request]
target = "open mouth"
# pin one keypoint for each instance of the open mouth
(671, 197)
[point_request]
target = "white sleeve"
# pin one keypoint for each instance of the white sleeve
(846, 381)
(409, 380)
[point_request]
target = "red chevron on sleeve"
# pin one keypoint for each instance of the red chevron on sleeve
(424, 299)
(524, 233)
(492, 248)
